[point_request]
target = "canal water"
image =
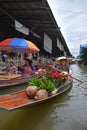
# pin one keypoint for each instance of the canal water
(66, 112)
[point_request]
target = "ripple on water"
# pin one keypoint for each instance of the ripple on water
(72, 113)
(66, 112)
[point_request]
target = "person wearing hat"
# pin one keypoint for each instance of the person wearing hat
(26, 69)
(33, 68)
(62, 64)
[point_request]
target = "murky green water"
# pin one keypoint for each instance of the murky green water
(66, 112)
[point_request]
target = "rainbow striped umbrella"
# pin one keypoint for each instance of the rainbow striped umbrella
(19, 45)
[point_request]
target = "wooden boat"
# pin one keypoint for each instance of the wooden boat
(13, 80)
(20, 99)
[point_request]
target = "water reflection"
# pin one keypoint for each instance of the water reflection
(73, 115)
(25, 119)
(84, 69)
(66, 112)
(34, 118)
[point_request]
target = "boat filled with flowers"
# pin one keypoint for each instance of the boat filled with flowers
(50, 84)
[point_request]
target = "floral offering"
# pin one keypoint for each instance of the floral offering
(50, 79)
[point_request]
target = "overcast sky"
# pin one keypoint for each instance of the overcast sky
(71, 16)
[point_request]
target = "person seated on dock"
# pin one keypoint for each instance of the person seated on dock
(11, 69)
(62, 64)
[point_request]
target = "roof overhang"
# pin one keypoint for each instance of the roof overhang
(36, 15)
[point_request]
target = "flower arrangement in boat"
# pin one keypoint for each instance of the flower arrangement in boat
(50, 79)
(48, 83)
(56, 77)
(42, 83)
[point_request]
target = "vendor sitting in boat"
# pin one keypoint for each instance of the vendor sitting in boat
(27, 69)
(62, 64)
(33, 68)
(11, 69)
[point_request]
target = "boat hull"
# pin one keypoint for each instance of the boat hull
(5, 83)
(20, 99)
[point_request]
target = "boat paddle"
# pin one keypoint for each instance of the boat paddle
(61, 72)
(68, 73)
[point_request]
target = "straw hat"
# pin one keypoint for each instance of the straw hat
(29, 60)
(61, 58)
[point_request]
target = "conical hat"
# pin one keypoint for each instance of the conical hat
(61, 58)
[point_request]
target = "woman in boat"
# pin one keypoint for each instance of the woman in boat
(33, 68)
(62, 64)
(28, 68)
(11, 68)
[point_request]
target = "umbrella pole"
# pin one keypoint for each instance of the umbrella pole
(21, 59)
(17, 60)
